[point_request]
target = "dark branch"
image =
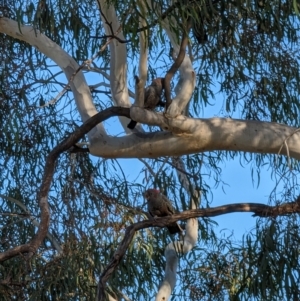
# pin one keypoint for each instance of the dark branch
(111, 36)
(162, 17)
(77, 149)
(258, 210)
(32, 246)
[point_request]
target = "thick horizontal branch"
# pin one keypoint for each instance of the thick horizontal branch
(261, 210)
(184, 136)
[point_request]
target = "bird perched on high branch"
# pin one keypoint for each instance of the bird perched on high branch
(152, 98)
(159, 205)
(42, 14)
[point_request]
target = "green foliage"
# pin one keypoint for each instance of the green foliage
(263, 266)
(250, 57)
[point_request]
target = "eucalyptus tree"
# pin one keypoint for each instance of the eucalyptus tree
(73, 74)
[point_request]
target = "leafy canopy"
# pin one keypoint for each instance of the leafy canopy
(245, 53)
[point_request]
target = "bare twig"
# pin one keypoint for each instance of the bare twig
(182, 170)
(286, 145)
(107, 199)
(28, 214)
(112, 36)
(148, 167)
(89, 61)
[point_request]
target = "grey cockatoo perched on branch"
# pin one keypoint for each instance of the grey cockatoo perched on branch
(159, 205)
(152, 98)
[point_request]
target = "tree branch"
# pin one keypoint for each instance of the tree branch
(118, 60)
(190, 136)
(186, 84)
(144, 45)
(186, 243)
(34, 221)
(164, 15)
(80, 89)
(261, 210)
(178, 61)
(139, 92)
(32, 246)
(109, 24)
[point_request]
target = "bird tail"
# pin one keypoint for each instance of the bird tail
(175, 228)
(131, 125)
